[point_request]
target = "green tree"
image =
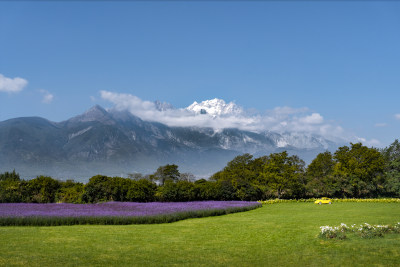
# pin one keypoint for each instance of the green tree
(243, 174)
(167, 172)
(226, 190)
(206, 190)
(12, 191)
(142, 190)
(319, 173)
(120, 187)
(70, 192)
(10, 176)
(11, 188)
(248, 191)
(391, 155)
(99, 188)
(284, 174)
(358, 170)
(176, 191)
(43, 189)
(238, 169)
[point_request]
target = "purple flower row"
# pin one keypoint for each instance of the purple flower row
(111, 209)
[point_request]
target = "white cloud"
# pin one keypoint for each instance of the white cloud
(280, 119)
(397, 116)
(371, 142)
(314, 118)
(10, 85)
(143, 109)
(47, 96)
(379, 125)
(147, 110)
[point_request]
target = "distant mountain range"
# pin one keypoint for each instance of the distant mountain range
(117, 143)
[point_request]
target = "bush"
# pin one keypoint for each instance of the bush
(12, 191)
(247, 191)
(206, 190)
(10, 176)
(119, 188)
(70, 192)
(97, 189)
(226, 191)
(42, 189)
(179, 191)
(141, 191)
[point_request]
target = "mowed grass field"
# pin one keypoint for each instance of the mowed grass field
(283, 234)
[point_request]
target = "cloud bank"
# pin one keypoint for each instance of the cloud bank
(219, 115)
(10, 85)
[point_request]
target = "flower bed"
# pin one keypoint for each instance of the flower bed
(375, 200)
(115, 212)
(364, 230)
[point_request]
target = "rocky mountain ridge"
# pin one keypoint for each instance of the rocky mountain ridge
(116, 143)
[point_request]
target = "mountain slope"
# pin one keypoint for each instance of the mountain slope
(117, 142)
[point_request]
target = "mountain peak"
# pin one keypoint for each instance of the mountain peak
(95, 113)
(215, 107)
(97, 109)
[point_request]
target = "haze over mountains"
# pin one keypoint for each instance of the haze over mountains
(116, 142)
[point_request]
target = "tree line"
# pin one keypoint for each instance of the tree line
(352, 171)
(166, 184)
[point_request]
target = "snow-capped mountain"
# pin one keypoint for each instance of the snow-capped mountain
(215, 107)
(116, 142)
(300, 140)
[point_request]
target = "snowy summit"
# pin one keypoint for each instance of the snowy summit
(215, 107)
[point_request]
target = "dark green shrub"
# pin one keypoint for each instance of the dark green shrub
(42, 189)
(226, 191)
(247, 191)
(119, 188)
(10, 176)
(11, 191)
(99, 188)
(70, 192)
(179, 191)
(206, 190)
(142, 190)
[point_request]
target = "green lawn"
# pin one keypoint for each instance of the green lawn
(275, 235)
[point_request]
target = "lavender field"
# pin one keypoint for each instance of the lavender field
(115, 212)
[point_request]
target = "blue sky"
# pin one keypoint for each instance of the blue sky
(339, 60)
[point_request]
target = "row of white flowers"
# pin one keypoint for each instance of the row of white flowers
(364, 230)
